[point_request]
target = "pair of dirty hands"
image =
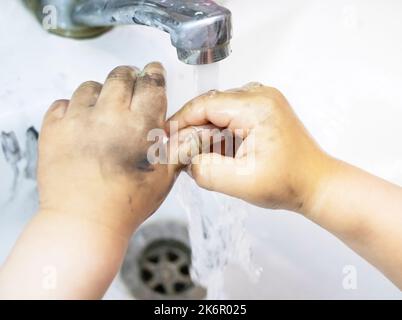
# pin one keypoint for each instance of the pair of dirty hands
(93, 149)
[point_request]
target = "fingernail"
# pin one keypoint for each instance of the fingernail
(136, 69)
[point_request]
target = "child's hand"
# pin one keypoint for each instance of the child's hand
(291, 172)
(93, 150)
(96, 186)
(288, 163)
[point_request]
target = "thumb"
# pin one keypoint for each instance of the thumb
(218, 173)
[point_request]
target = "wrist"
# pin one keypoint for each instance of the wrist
(109, 210)
(91, 225)
(317, 182)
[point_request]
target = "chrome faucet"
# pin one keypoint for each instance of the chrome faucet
(200, 30)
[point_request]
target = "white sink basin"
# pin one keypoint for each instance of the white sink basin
(338, 62)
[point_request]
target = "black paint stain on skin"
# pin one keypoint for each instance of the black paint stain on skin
(300, 205)
(136, 164)
(292, 194)
(117, 157)
(142, 164)
(130, 205)
(154, 79)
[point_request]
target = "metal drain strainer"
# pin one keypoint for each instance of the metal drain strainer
(164, 267)
(157, 264)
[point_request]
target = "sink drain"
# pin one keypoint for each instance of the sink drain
(164, 267)
(157, 264)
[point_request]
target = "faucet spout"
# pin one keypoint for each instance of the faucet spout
(200, 30)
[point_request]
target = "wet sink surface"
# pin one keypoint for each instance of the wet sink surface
(337, 62)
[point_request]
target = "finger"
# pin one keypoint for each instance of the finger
(84, 97)
(189, 143)
(149, 100)
(222, 109)
(254, 86)
(215, 172)
(117, 92)
(56, 111)
(248, 87)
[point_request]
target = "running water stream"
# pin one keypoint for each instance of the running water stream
(216, 222)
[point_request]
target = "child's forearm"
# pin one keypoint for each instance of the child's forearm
(62, 257)
(365, 212)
